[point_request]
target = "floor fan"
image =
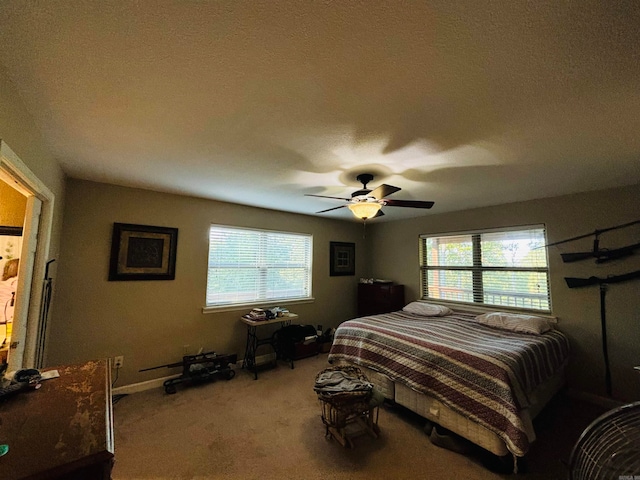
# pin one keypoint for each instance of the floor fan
(609, 448)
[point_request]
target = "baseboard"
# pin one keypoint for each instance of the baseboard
(142, 386)
(158, 382)
(604, 402)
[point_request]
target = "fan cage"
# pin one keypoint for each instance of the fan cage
(609, 448)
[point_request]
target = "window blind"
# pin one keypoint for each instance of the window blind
(502, 268)
(249, 266)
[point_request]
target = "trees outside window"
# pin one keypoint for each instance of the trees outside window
(498, 267)
(253, 266)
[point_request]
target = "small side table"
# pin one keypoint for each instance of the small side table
(253, 342)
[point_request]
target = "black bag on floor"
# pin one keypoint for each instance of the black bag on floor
(295, 341)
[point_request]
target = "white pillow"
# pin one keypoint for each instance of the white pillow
(516, 322)
(427, 309)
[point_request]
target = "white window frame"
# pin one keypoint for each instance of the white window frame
(263, 264)
(477, 270)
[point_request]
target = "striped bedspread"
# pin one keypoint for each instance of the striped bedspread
(483, 373)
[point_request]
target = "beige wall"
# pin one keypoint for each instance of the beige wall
(19, 131)
(12, 206)
(393, 253)
(149, 322)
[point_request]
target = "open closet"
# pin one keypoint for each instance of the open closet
(13, 206)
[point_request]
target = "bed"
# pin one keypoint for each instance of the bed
(484, 383)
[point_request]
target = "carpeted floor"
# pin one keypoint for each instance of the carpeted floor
(271, 429)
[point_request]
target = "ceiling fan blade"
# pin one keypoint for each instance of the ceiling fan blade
(408, 203)
(379, 213)
(383, 190)
(329, 209)
(325, 196)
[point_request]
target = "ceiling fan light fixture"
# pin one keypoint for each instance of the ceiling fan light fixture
(365, 210)
(366, 203)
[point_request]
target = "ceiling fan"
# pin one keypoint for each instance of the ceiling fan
(366, 204)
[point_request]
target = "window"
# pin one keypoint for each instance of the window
(254, 266)
(502, 268)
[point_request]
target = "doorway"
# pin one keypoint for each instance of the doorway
(26, 347)
(10, 248)
(13, 205)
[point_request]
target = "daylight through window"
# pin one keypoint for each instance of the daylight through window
(254, 266)
(502, 268)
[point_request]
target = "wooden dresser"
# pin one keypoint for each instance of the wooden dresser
(63, 430)
(374, 298)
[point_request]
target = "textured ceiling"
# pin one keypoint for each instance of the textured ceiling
(466, 103)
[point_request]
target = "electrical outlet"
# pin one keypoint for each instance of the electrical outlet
(118, 361)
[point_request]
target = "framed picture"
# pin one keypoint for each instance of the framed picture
(342, 258)
(143, 252)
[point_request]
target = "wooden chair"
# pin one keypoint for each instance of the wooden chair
(349, 414)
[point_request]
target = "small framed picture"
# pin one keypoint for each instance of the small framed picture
(143, 252)
(342, 258)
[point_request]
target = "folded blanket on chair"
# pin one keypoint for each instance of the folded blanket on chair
(337, 381)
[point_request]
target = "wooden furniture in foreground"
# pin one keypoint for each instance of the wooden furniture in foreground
(375, 298)
(63, 430)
